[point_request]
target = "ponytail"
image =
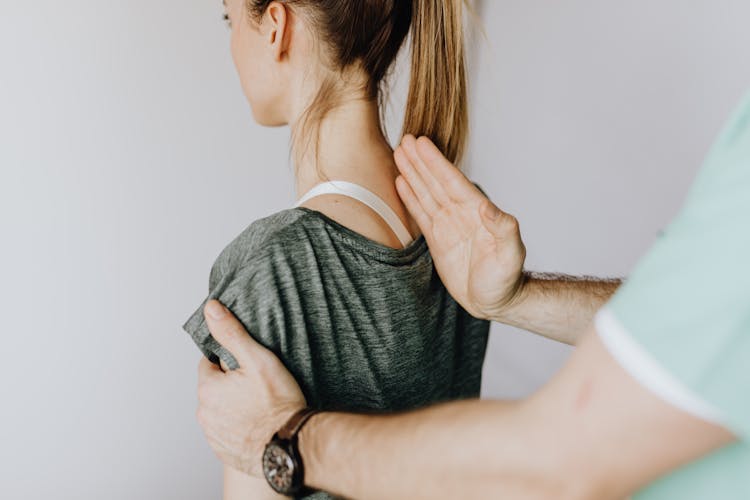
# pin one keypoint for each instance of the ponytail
(437, 105)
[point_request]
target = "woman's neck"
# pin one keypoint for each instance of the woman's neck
(350, 147)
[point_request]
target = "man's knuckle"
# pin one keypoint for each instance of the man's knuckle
(510, 225)
(267, 361)
(456, 183)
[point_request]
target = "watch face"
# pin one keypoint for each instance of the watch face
(279, 468)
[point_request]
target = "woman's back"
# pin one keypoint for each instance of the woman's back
(361, 326)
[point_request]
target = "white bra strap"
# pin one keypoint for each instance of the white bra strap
(368, 198)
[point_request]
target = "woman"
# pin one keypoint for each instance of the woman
(338, 286)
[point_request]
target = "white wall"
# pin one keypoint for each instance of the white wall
(128, 159)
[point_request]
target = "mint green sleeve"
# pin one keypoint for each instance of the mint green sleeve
(687, 304)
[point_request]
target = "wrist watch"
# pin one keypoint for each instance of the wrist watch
(282, 462)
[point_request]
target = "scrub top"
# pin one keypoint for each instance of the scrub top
(680, 325)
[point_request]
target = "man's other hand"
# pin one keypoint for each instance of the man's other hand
(476, 247)
(240, 410)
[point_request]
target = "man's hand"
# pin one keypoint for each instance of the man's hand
(240, 410)
(478, 252)
(477, 248)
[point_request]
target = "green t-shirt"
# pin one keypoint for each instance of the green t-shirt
(361, 326)
(681, 324)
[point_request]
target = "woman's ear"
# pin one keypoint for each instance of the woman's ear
(278, 29)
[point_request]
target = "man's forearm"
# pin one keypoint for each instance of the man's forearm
(557, 306)
(466, 449)
(592, 432)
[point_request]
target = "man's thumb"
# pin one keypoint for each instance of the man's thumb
(230, 333)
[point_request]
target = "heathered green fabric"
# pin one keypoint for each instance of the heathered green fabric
(361, 326)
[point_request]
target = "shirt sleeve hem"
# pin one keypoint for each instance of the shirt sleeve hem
(648, 372)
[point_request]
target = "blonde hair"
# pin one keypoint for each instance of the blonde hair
(437, 105)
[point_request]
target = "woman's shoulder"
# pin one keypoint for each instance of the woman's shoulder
(284, 236)
(278, 231)
(297, 238)
(271, 228)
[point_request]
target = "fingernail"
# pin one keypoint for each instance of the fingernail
(215, 310)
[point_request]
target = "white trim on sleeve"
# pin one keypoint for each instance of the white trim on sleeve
(642, 366)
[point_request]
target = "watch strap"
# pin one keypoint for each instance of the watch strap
(295, 423)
